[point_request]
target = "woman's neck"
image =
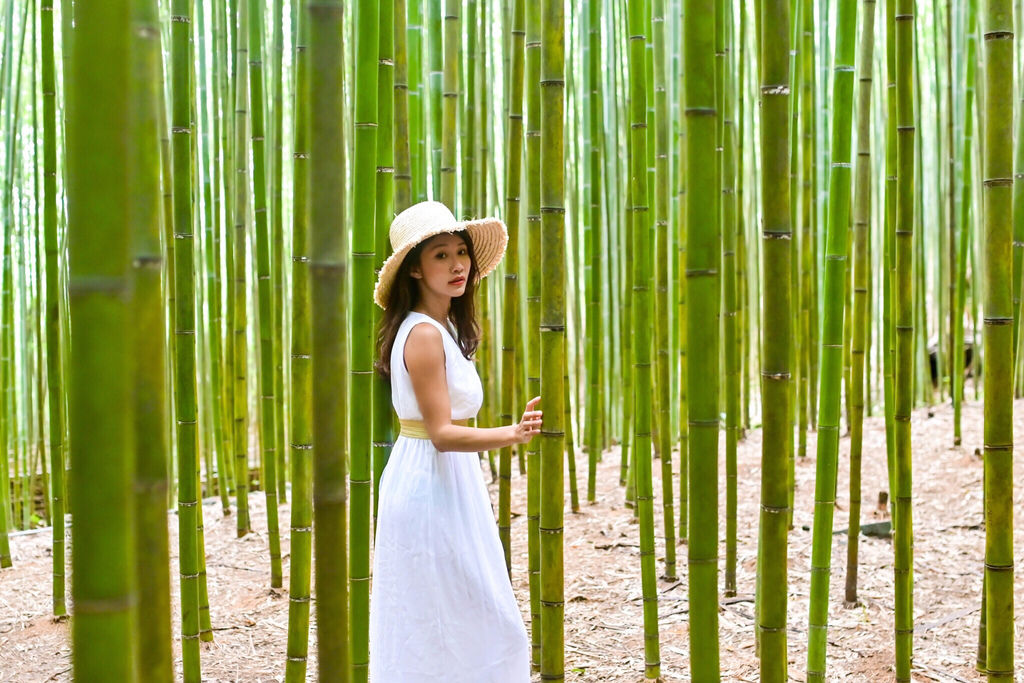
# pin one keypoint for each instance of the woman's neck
(434, 306)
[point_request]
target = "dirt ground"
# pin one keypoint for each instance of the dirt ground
(603, 629)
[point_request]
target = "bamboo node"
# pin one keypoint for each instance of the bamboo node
(999, 35)
(998, 320)
(181, 18)
(690, 561)
(998, 567)
(773, 235)
(181, 129)
(998, 182)
(780, 89)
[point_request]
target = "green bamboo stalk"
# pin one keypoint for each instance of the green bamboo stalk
(53, 347)
(184, 330)
(999, 311)
(861, 265)
(301, 431)
(552, 337)
(832, 336)
(417, 102)
(238, 316)
(661, 266)
(729, 295)
(683, 237)
(643, 305)
(703, 255)
(776, 240)
(511, 321)
(904, 324)
(214, 320)
(383, 438)
(435, 67)
(328, 274)
(224, 288)
(467, 134)
(450, 101)
(596, 332)
(533, 294)
(889, 256)
(402, 104)
(361, 350)
(277, 244)
(101, 448)
(268, 400)
(963, 242)
(153, 643)
(808, 211)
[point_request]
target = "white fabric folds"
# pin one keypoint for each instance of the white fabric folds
(441, 607)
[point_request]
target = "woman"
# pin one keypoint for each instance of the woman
(442, 607)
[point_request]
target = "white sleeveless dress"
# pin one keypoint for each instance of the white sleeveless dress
(441, 607)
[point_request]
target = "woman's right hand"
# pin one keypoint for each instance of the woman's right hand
(530, 424)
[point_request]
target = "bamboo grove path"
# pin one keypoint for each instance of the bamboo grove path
(604, 619)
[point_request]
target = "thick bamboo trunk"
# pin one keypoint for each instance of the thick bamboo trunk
(776, 353)
(703, 256)
(329, 263)
(101, 422)
(999, 312)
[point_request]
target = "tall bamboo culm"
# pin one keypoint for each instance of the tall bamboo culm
(903, 312)
(703, 305)
(189, 508)
(552, 338)
(300, 437)
(364, 169)
(861, 259)
(661, 390)
(511, 322)
(268, 402)
(776, 345)
(533, 302)
(832, 336)
(99, 168)
(643, 309)
(999, 317)
(329, 259)
(153, 644)
(239, 345)
(53, 346)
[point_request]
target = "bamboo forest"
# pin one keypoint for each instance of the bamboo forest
(765, 269)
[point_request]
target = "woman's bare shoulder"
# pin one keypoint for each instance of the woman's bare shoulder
(424, 347)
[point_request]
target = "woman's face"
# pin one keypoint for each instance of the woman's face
(444, 265)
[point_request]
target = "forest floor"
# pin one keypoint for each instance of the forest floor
(603, 620)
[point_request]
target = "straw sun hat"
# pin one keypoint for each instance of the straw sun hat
(426, 219)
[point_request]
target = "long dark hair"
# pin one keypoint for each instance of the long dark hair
(404, 296)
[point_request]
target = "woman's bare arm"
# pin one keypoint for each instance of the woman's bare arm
(424, 358)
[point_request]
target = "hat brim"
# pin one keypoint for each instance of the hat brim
(490, 238)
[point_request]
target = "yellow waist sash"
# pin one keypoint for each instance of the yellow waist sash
(417, 429)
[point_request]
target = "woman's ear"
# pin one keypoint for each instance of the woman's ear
(415, 272)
